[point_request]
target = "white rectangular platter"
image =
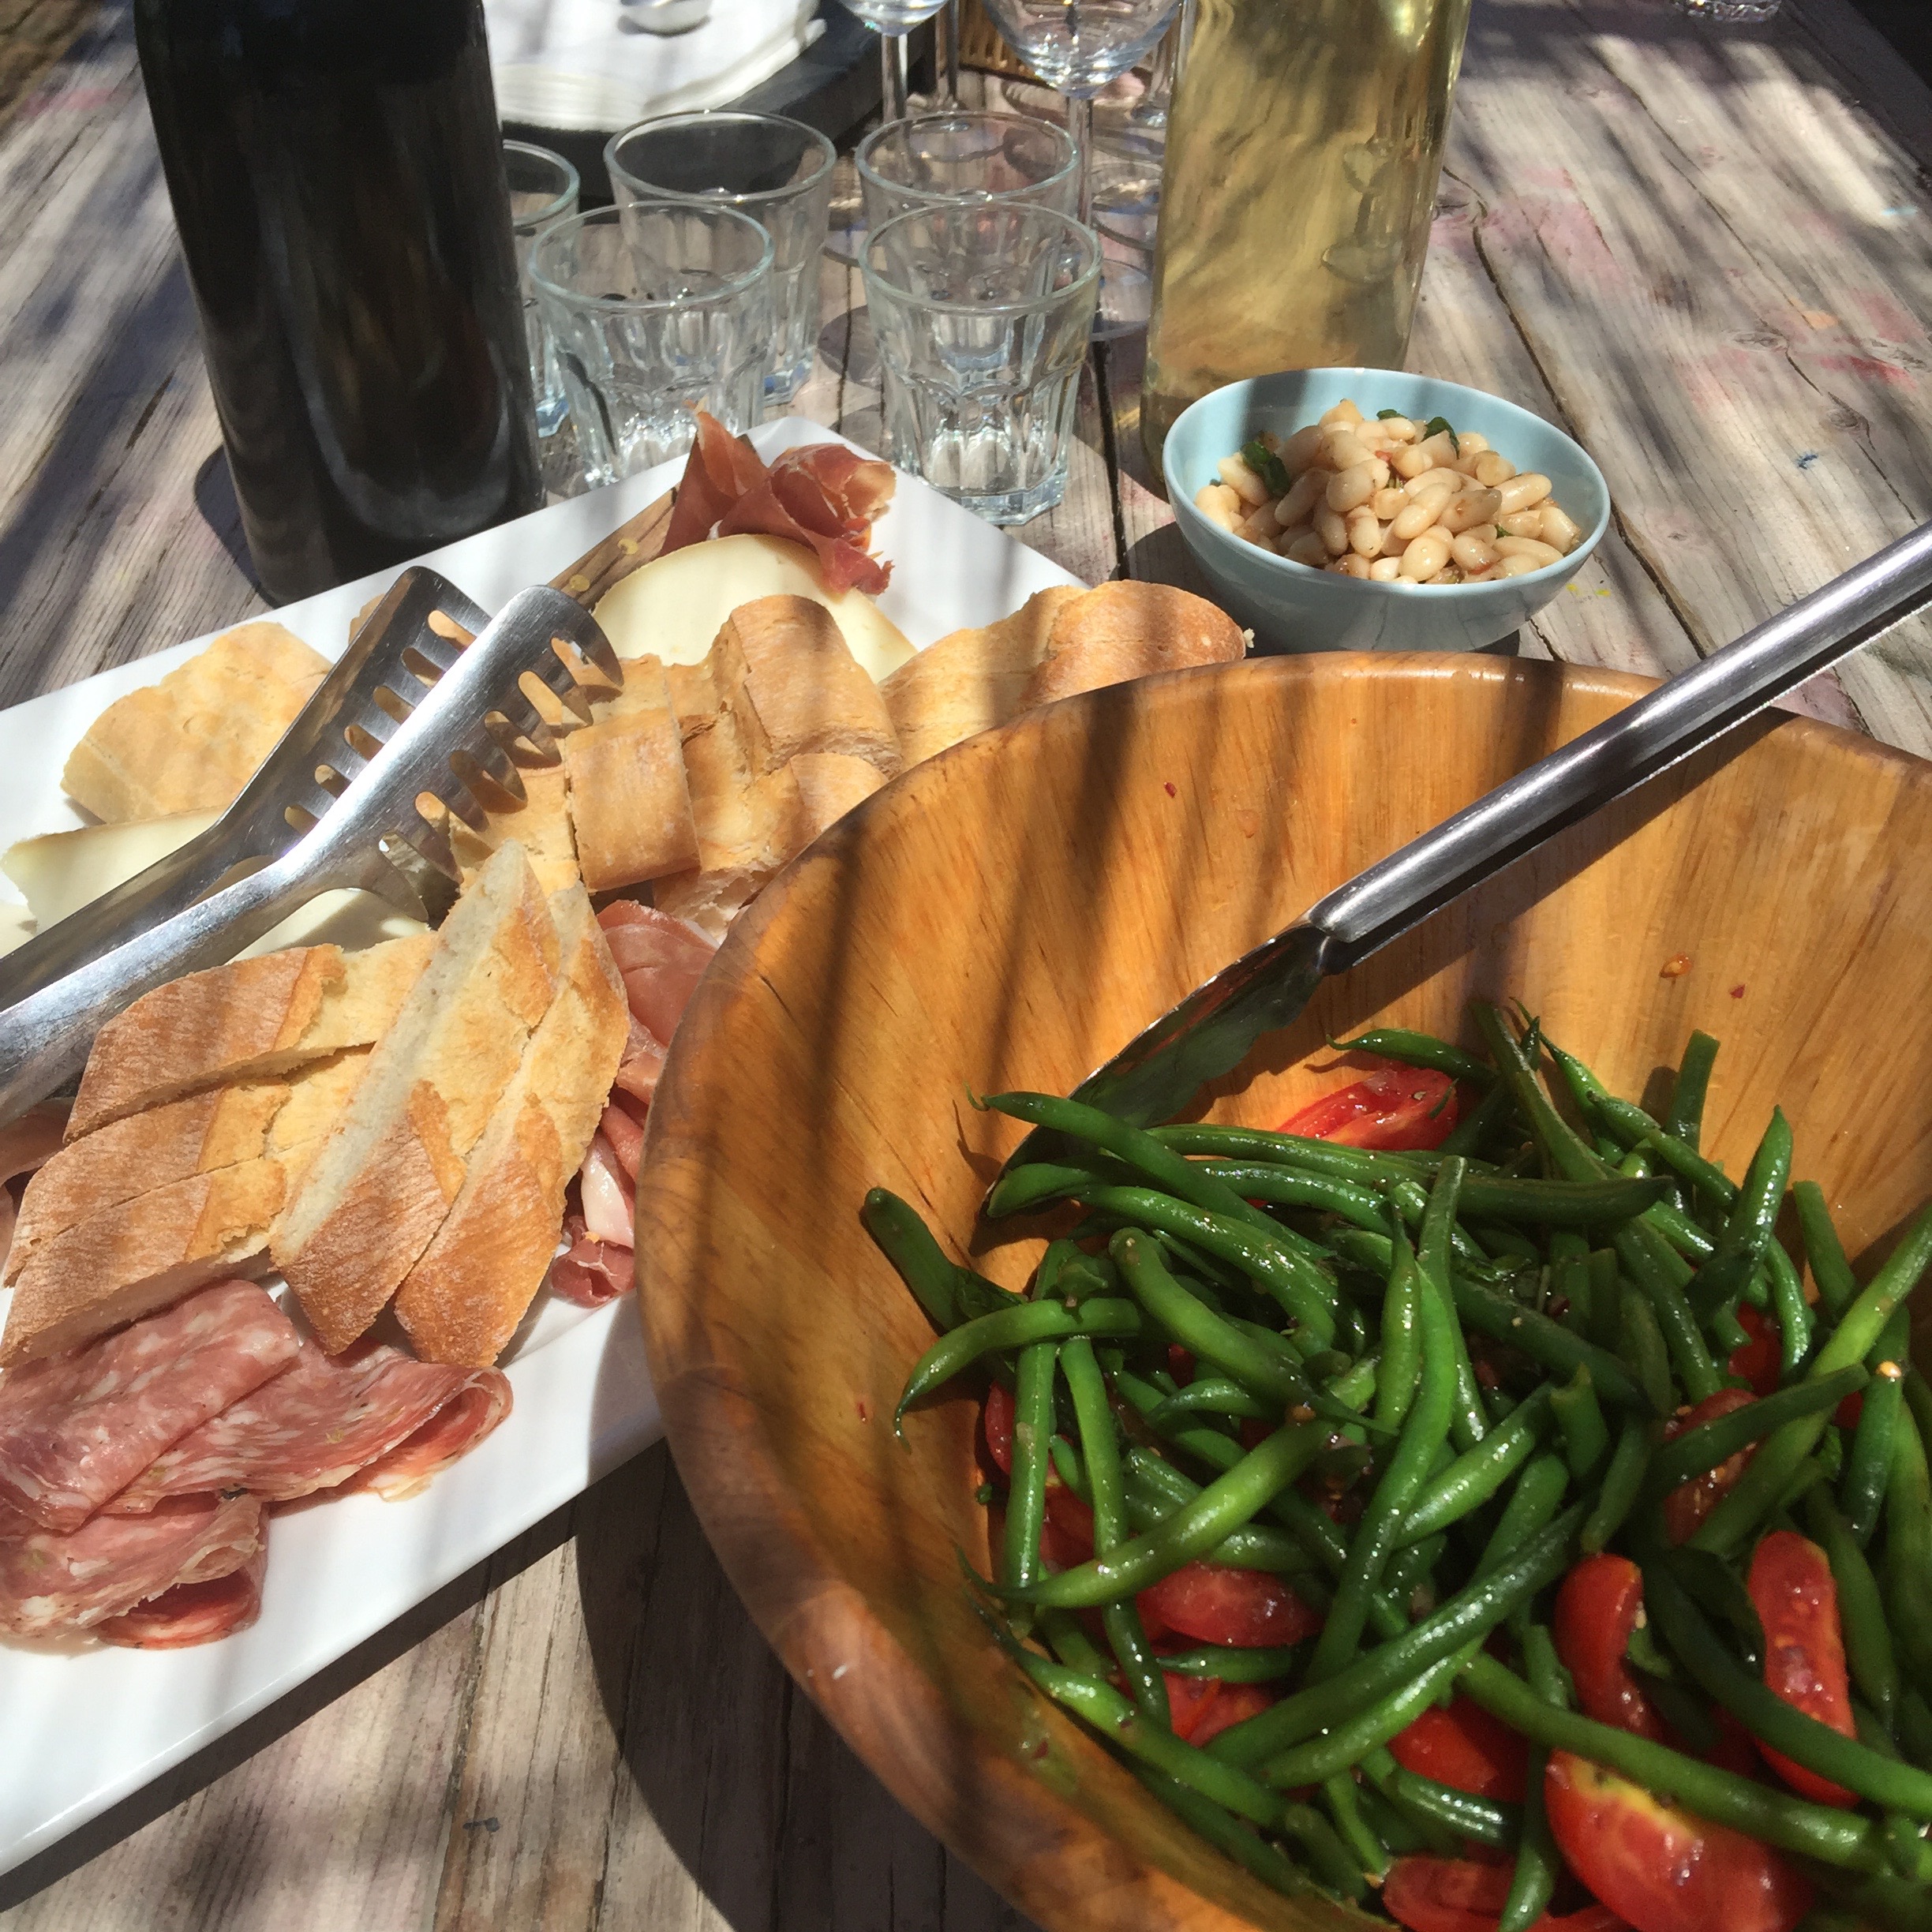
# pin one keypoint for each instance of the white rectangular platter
(86, 1729)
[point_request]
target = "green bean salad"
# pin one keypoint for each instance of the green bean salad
(1460, 1502)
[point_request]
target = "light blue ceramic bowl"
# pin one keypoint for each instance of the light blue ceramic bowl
(1292, 607)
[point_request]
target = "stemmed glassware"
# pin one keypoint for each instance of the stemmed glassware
(1078, 46)
(892, 20)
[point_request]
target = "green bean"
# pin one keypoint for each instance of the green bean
(1100, 1448)
(1401, 1830)
(1284, 1187)
(1842, 1838)
(1906, 1569)
(1038, 1183)
(1425, 1432)
(1400, 1374)
(1914, 1726)
(1881, 1900)
(1562, 1147)
(1235, 1666)
(1466, 1618)
(1476, 1475)
(1579, 1418)
(1015, 1327)
(1710, 1443)
(1784, 1727)
(1558, 1204)
(1327, 1857)
(1071, 1470)
(1686, 1117)
(1837, 1286)
(1642, 1343)
(1545, 1341)
(1303, 1293)
(1623, 1481)
(1868, 1653)
(1483, 1820)
(1652, 1265)
(1225, 1505)
(1032, 1430)
(1749, 1227)
(1796, 1324)
(1474, 1129)
(1423, 1050)
(1225, 1832)
(1868, 1468)
(1539, 1864)
(1159, 1164)
(1219, 1396)
(1309, 1762)
(1258, 1144)
(1256, 1547)
(906, 1241)
(1370, 1855)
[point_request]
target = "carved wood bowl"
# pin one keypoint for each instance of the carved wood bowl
(1009, 914)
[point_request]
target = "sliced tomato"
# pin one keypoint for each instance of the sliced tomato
(1757, 1361)
(997, 1421)
(1596, 1610)
(1690, 1503)
(1189, 1699)
(1066, 1537)
(1790, 1584)
(1246, 1609)
(1236, 1704)
(1466, 1746)
(1180, 1363)
(1458, 1895)
(1658, 1868)
(1396, 1107)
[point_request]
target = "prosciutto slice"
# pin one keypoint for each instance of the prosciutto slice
(824, 496)
(75, 1429)
(590, 1272)
(313, 1428)
(450, 1434)
(52, 1585)
(643, 1061)
(192, 1613)
(662, 959)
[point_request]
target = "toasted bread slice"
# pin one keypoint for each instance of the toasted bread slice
(972, 680)
(629, 806)
(1127, 629)
(378, 1190)
(190, 743)
(463, 1300)
(253, 1020)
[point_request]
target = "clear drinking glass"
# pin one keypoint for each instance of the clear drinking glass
(667, 306)
(777, 171)
(1733, 12)
(982, 312)
(543, 191)
(892, 20)
(964, 156)
(1078, 46)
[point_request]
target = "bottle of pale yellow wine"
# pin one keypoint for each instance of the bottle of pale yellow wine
(1303, 147)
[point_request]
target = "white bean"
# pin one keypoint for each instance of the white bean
(1411, 462)
(1351, 566)
(1389, 502)
(1301, 449)
(1303, 494)
(1331, 528)
(1400, 429)
(1308, 549)
(1243, 482)
(1492, 468)
(1349, 489)
(1219, 504)
(1439, 448)
(1473, 551)
(1528, 487)
(1422, 512)
(1468, 508)
(1516, 566)
(1341, 449)
(1520, 523)
(1471, 442)
(1545, 554)
(1450, 479)
(1385, 569)
(1560, 530)
(1425, 556)
(1260, 527)
(1344, 412)
(1364, 533)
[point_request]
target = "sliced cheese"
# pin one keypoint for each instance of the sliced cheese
(673, 607)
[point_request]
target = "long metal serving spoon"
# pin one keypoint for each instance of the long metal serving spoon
(1210, 1032)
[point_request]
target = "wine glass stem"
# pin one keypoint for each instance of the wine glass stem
(948, 28)
(893, 81)
(1079, 125)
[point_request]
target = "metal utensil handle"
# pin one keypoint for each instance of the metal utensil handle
(1679, 717)
(45, 1038)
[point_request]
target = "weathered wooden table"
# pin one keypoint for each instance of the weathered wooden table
(1705, 252)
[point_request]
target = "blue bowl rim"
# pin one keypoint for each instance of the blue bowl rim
(1178, 499)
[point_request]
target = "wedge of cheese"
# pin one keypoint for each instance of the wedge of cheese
(672, 607)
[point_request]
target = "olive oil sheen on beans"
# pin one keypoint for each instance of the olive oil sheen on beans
(337, 179)
(1303, 148)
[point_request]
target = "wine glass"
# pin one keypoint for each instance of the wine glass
(892, 20)
(1078, 46)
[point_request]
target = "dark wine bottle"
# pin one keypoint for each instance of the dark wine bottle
(336, 171)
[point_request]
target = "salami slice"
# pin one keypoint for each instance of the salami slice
(313, 1428)
(52, 1585)
(451, 1432)
(192, 1613)
(75, 1429)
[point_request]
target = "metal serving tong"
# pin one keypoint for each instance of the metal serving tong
(1210, 1033)
(409, 722)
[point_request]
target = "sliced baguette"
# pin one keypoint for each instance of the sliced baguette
(1127, 629)
(376, 1194)
(541, 824)
(629, 806)
(254, 1020)
(463, 1300)
(190, 743)
(830, 784)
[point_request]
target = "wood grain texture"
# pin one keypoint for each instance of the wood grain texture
(1141, 838)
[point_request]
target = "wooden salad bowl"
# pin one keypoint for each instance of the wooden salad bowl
(1008, 915)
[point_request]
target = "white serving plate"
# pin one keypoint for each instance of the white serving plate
(86, 1729)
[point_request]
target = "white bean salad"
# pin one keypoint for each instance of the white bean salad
(1391, 500)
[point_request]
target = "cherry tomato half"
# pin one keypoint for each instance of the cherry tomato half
(1396, 1107)
(1690, 1503)
(1466, 1747)
(1595, 1611)
(1457, 1895)
(1790, 1584)
(1757, 1361)
(1247, 1609)
(1658, 1868)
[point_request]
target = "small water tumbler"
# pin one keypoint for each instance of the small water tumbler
(543, 192)
(777, 171)
(962, 155)
(982, 312)
(668, 306)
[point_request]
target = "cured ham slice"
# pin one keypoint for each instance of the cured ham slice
(643, 1060)
(51, 1585)
(590, 1272)
(823, 496)
(625, 1134)
(609, 1202)
(75, 1429)
(313, 1428)
(450, 1434)
(192, 1613)
(662, 959)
